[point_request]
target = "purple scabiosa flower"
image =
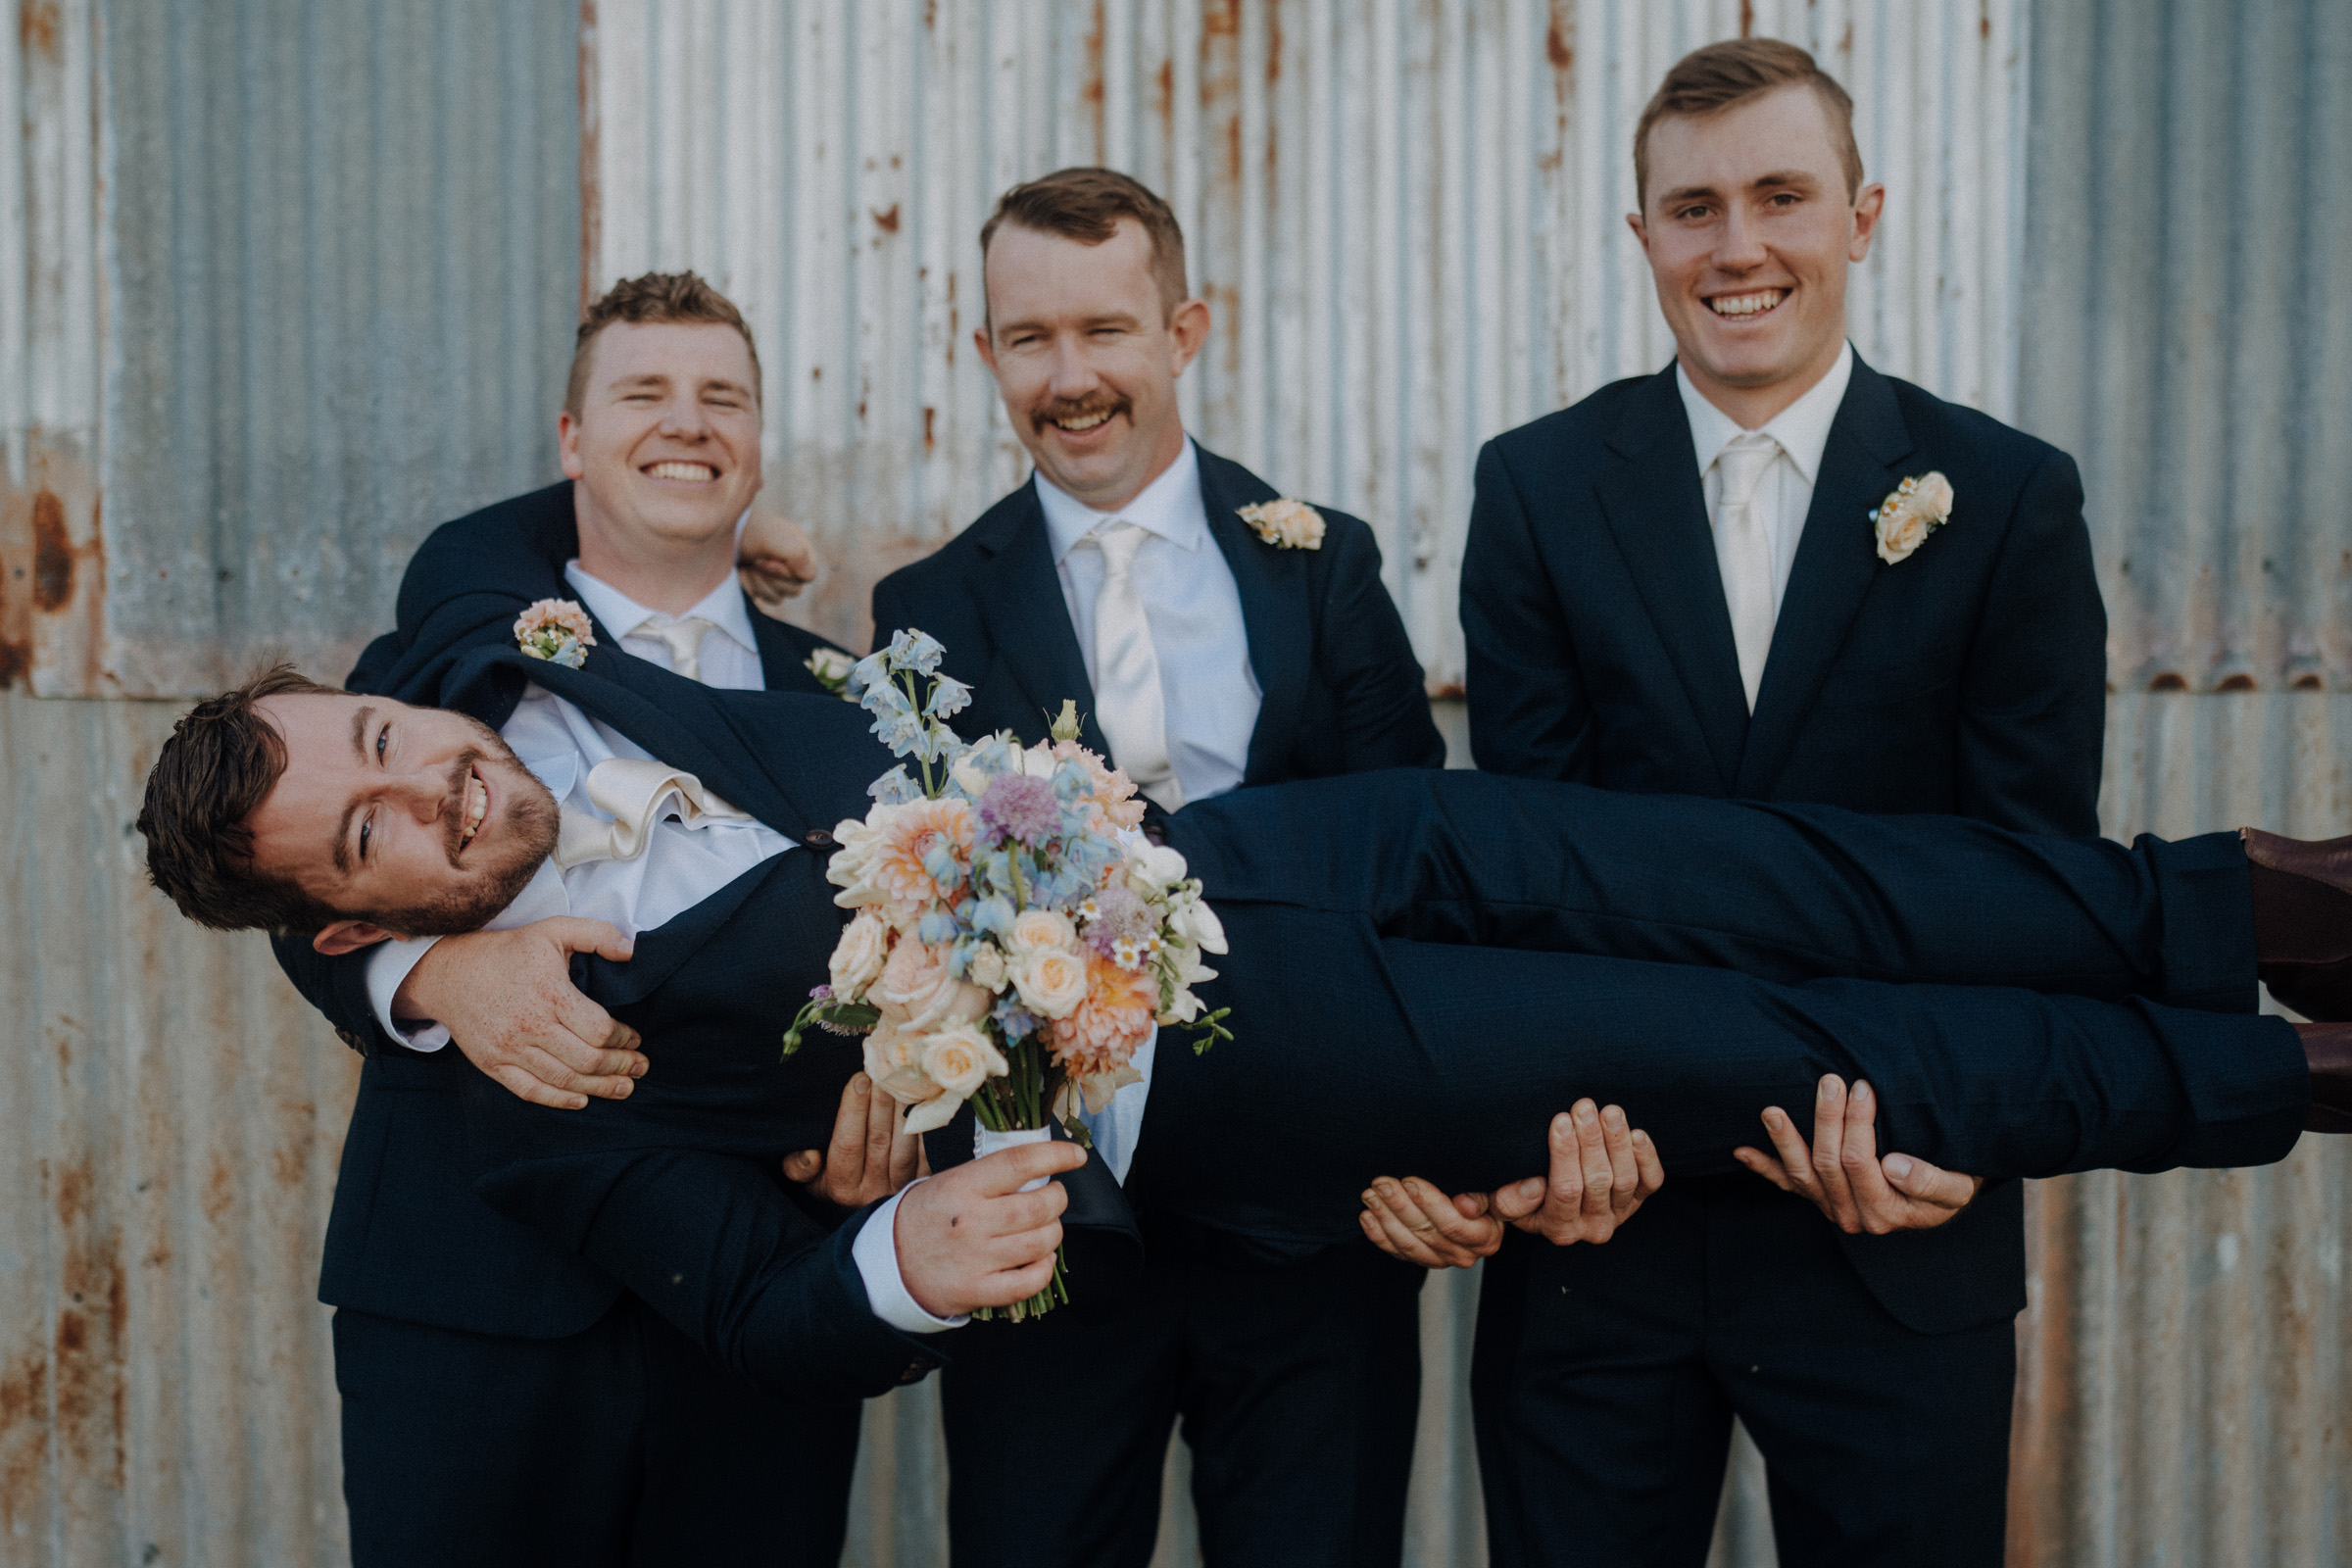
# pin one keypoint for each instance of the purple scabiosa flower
(1017, 807)
(821, 993)
(1119, 919)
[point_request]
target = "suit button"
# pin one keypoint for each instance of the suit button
(816, 838)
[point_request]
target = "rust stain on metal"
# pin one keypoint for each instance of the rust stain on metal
(888, 220)
(37, 28)
(1273, 48)
(1556, 47)
(1163, 97)
(23, 1435)
(52, 554)
(930, 426)
(2240, 682)
(2168, 681)
(1748, 18)
(1089, 88)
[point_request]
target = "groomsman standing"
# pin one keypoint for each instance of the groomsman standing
(1690, 582)
(1208, 650)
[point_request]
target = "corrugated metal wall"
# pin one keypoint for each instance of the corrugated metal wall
(283, 284)
(2184, 1377)
(288, 282)
(1406, 218)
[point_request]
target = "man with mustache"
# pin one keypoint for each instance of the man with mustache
(1381, 1021)
(1204, 657)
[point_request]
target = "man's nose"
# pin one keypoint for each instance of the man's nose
(1740, 246)
(421, 795)
(685, 419)
(1073, 372)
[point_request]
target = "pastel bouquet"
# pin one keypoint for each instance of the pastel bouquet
(1016, 939)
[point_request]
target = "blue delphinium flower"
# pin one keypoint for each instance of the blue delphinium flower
(948, 697)
(894, 788)
(916, 650)
(1018, 1021)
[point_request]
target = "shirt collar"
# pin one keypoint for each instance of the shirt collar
(1170, 507)
(722, 607)
(1802, 428)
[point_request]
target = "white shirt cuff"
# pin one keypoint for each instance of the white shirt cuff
(876, 1254)
(388, 969)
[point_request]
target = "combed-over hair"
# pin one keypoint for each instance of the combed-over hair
(1085, 204)
(654, 297)
(1719, 74)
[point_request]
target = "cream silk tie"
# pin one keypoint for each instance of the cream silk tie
(1128, 702)
(636, 790)
(1744, 553)
(684, 639)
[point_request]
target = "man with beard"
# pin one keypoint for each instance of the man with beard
(438, 1299)
(1214, 636)
(1376, 1032)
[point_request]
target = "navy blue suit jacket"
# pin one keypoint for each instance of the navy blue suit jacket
(1341, 690)
(471, 578)
(1969, 679)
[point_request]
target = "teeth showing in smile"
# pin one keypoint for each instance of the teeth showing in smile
(1082, 421)
(477, 806)
(1741, 306)
(700, 472)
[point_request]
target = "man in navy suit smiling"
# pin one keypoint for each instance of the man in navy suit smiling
(1685, 584)
(1211, 648)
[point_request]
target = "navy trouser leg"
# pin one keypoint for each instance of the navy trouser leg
(620, 1446)
(1448, 1062)
(1606, 1379)
(1784, 893)
(1297, 1387)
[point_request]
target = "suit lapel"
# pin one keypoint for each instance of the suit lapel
(1837, 562)
(783, 668)
(1658, 510)
(1020, 598)
(1276, 608)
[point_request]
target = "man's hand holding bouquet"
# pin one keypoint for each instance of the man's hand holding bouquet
(1017, 940)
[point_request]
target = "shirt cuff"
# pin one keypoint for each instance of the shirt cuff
(388, 969)
(876, 1254)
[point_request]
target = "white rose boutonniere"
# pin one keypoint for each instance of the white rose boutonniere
(831, 668)
(1917, 509)
(1286, 524)
(556, 630)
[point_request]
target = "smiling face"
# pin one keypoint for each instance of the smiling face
(416, 820)
(665, 450)
(1085, 354)
(1750, 229)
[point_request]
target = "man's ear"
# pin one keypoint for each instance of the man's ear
(1632, 221)
(349, 936)
(1190, 328)
(1870, 204)
(568, 445)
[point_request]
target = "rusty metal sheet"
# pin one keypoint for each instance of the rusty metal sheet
(1404, 218)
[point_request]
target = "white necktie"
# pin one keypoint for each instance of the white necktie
(636, 790)
(1128, 702)
(1744, 553)
(683, 637)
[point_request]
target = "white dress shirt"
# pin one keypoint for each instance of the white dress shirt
(730, 654)
(1786, 493)
(680, 867)
(1194, 611)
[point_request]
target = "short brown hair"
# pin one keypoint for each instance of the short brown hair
(654, 297)
(1721, 74)
(222, 762)
(1085, 204)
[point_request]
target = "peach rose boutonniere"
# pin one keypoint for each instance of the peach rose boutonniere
(1286, 524)
(556, 630)
(1917, 509)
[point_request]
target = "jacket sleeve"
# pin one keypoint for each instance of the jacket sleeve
(2034, 693)
(702, 1232)
(1529, 712)
(336, 987)
(1368, 662)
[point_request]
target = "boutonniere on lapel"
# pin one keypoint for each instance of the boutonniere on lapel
(1918, 507)
(1286, 524)
(831, 668)
(556, 630)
